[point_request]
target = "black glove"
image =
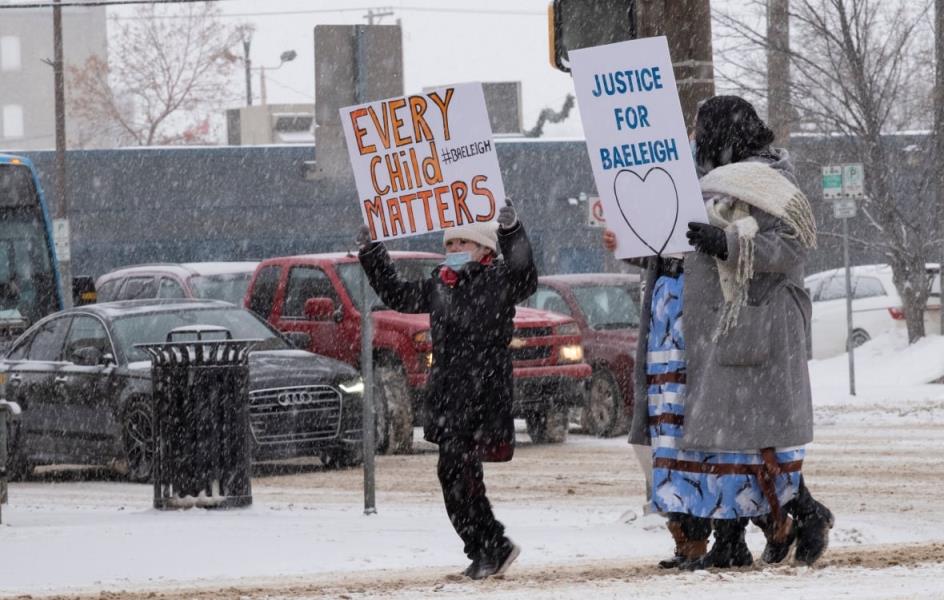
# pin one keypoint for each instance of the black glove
(507, 217)
(708, 239)
(363, 239)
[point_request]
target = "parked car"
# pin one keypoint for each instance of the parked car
(606, 308)
(85, 389)
(210, 280)
(876, 306)
(322, 295)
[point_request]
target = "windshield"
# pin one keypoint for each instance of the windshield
(152, 328)
(230, 287)
(608, 306)
(411, 269)
(27, 283)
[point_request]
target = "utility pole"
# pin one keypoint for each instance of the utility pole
(377, 14)
(61, 226)
(687, 25)
(939, 133)
(247, 63)
(779, 110)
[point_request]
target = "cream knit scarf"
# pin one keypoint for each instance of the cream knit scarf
(742, 185)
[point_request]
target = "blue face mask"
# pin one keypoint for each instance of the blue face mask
(457, 260)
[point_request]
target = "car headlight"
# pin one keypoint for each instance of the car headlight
(355, 386)
(568, 329)
(571, 353)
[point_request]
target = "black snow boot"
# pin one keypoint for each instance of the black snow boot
(473, 568)
(814, 521)
(497, 561)
(729, 549)
(778, 546)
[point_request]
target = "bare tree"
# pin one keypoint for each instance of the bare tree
(167, 73)
(860, 69)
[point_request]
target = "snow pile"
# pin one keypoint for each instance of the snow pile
(888, 370)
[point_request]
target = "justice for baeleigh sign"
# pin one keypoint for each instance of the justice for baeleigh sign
(424, 162)
(638, 145)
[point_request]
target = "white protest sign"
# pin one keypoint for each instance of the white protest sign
(424, 162)
(638, 144)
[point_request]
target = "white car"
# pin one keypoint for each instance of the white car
(876, 306)
(226, 281)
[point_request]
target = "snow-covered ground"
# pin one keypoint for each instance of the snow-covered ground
(574, 509)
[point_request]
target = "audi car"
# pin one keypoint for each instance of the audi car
(84, 386)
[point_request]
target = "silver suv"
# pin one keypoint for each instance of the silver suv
(226, 281)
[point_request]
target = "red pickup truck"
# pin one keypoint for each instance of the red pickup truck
(321, 295)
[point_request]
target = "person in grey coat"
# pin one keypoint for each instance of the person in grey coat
(729, 408)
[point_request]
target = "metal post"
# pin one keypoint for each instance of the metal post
(849, 347)
(262, 86)
(248, 64)
(779, 112)
(62, 194)
(367, 326)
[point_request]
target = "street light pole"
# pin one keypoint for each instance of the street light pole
(62, 193)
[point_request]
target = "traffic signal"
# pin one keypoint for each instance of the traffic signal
(574, 24)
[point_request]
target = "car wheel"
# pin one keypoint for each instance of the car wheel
(392, 387)
(548, 427)
(19, 468)
(859, 337)
(342, 458)
(601, 415)
(139, 441)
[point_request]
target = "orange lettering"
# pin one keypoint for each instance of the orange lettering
(460, 191)
(425, 196)
(360, 132)
(484, 191)
(443, 105)
(442, 206)
(374, 162)
(396, 220)
(393, 106)
(420, 126)
(382, 130)
(407, 201)
(374, 208)
(432, 170)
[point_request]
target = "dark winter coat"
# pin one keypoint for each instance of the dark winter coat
(751, 389)
(470, 388)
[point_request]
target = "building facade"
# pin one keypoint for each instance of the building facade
(27, 101)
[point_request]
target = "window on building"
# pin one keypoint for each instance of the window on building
(9, 53)
(12, 121)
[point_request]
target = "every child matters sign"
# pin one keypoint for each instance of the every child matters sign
(425, 162)
(638, 144)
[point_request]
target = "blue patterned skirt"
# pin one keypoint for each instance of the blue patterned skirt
(713, 484)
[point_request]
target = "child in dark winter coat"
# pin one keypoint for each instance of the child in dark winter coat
(471, 300)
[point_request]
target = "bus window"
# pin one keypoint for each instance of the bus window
(27, 277)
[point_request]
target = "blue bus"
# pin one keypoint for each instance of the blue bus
(30, 286)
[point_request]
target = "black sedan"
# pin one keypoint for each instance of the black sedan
(85, 388)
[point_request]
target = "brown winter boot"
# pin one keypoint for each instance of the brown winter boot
(686, 549)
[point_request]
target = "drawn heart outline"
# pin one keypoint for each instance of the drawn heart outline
(642, 179)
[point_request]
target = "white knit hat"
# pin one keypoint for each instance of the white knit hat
(483, 234)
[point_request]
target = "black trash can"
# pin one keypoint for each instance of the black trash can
(200, 403)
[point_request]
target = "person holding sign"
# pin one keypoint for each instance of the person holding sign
(471, 302)
(729, 408)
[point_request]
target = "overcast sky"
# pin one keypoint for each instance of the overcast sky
(444, 41)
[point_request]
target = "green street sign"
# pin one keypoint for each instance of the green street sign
(832, 181)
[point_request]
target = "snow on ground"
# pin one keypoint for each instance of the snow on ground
(574, 509)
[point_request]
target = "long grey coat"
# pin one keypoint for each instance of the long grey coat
(751, 388)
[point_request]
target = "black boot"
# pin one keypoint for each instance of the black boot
(497, 560)
(473, 568)
(814, 521)
(729, 549)
(779, 538)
